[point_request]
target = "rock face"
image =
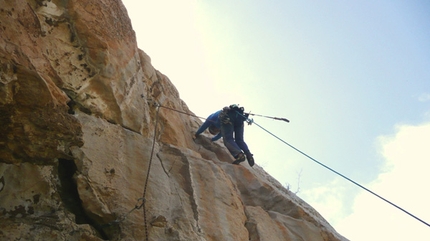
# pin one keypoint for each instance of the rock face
(86, 154)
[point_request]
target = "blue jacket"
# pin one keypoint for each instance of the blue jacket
(211, 120)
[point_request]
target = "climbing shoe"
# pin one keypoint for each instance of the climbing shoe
(250, 159)
(239, 158)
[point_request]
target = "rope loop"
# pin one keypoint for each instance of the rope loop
(141, 205)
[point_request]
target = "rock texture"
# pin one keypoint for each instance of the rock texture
(82, 141)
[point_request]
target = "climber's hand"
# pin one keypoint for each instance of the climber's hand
(249, 121)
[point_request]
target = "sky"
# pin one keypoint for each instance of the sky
(353, 78)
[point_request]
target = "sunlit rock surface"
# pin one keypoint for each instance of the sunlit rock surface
(78, 120)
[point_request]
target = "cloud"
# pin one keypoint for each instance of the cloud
(404, 181)
(424, 97)
(330, 200)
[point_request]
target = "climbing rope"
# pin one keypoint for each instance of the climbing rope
(345, 177)
(142, 201)
(182, 112)
(158, 106)
(338, 173)
(123, 217)
(148, 172)
(270, 117)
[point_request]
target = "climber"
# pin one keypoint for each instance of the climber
(214, 125)
(232, 119)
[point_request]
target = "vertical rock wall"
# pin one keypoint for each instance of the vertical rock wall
(77, 128)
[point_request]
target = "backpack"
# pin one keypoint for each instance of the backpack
(237, 113)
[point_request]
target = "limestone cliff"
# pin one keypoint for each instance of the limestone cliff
(79, 125)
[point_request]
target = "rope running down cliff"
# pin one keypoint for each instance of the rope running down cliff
(323, 165)
(147, 174)
(158, 106)
(141, 202)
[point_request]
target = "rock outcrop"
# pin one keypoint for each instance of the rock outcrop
(82, 141)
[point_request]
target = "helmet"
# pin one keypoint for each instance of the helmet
(233, 106)
(213, 130)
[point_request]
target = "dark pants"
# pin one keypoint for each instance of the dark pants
(233, 138)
